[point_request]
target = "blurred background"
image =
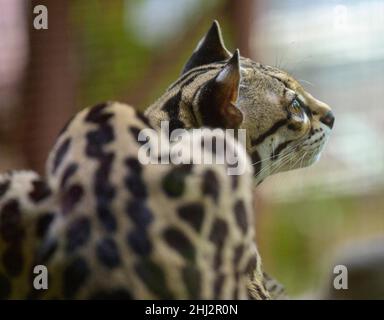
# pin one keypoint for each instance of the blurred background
(131, 50)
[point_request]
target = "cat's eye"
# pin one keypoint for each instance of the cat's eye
(295, 106)
(299, 108)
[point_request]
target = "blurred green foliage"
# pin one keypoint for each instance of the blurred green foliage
(112, 60)
(297, 239)
(110, 57)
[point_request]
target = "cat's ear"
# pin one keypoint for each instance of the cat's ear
(210, 49)
(217, 101)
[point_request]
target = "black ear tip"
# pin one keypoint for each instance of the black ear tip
(214, 30)
(235, 57)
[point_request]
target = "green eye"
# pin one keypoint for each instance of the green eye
(296, 106)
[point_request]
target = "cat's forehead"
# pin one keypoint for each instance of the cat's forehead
(253, 68)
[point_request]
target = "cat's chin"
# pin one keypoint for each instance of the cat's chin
(302, 163)
(311, 161)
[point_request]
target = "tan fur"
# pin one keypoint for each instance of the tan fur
(215, 90)
(265, 95)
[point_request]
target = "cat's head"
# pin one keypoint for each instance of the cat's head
(286, 126)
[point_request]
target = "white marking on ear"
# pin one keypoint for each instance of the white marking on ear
(230, 68)
(198, 47)
(223, 75)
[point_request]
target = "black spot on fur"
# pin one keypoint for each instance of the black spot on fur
(179, 242)
(140, 214)
(238, 254)
(139, 242)
(106, 217)
(71, 197)
(107, 253)
(78, 233)
(11, 229)
(13, 260)
(4, 186)
(218, 286)
(136, 186)
(97, 138)
(211, 185)
(234, 181)
(174, 181)
(217, 259)
(60, 154)
(136, 132)
(97, 115)
(115, 294)
(134, 165)
(47, 250)
(241, 215)
(193, 214)
(105, 192)
(43, 223)
(192, 280)
(218, 235)
(5, 287)
(218, 232)
(74, 277)
(40, 191)
(103, 189)
(153, 277)
(106, 250)
(69, 171)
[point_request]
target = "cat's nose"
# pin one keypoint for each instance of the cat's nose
(328, 119)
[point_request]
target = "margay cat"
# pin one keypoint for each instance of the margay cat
(107, 226)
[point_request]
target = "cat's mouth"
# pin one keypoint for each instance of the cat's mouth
(313, 145)
(294, 154)
(305, 152)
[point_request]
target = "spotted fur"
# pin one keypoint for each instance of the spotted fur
(26, 212)
(154, 231)
(107, 226)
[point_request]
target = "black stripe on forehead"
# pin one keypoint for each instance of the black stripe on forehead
(172, 105)
(270, 131)
(194, 73)
(269, 71)
(172, 108)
